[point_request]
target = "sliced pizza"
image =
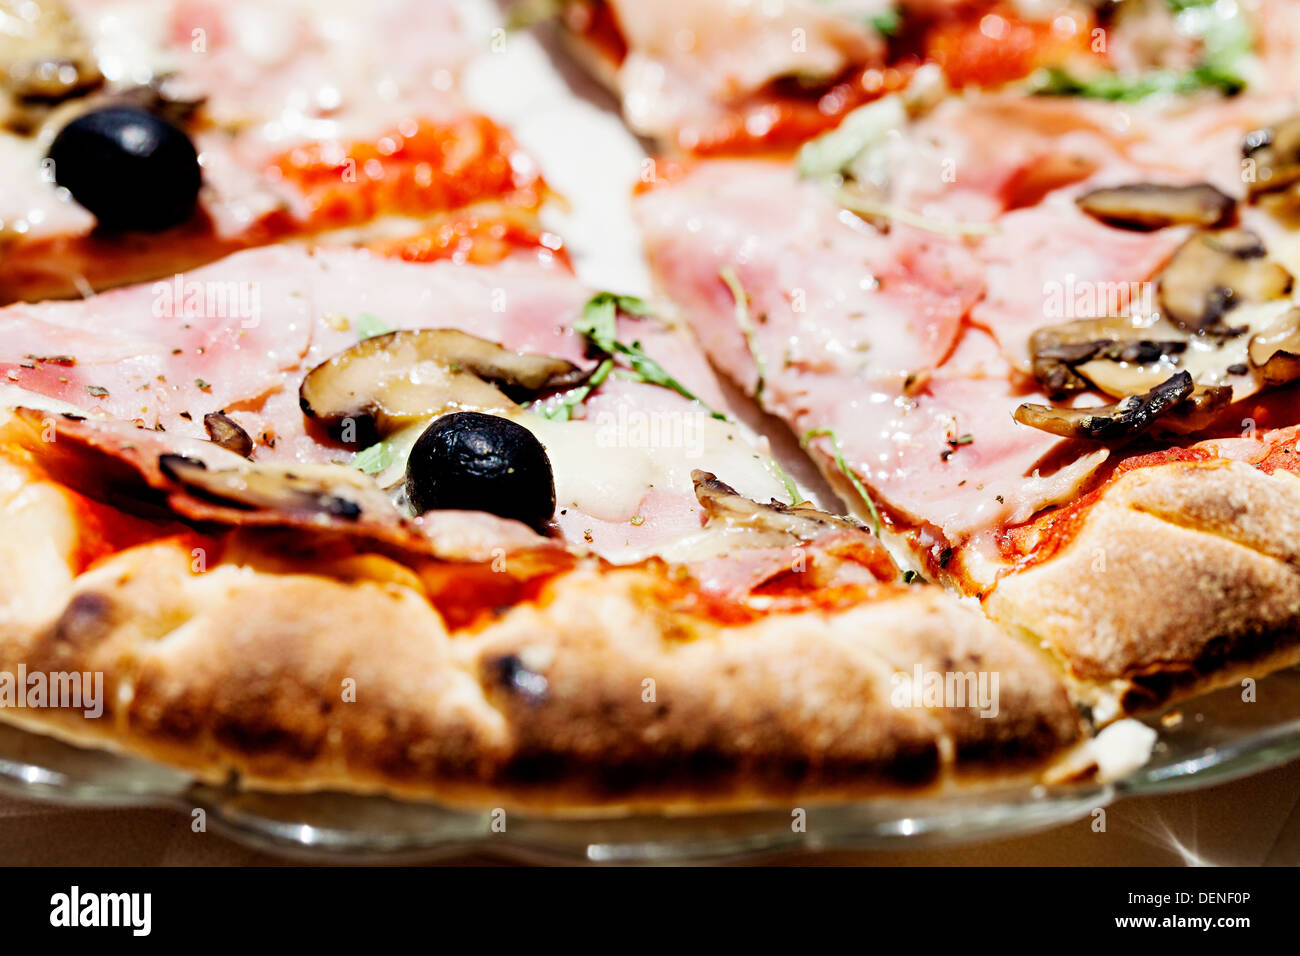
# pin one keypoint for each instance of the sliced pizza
(721, 77)
(141, 141)
(473, 534)
(1025, 335)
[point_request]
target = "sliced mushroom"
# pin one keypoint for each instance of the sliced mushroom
(1275, 352)
(1125, 419)
(1275, 153)
(43, 60)
(1127, 368)
(840, 549)
(773, 521)
(1118, 354)
(261, 489)
(1154, 206)
(1198, 411)
(227, 433)
(1213, 273)
(392, 380)
(1053, 365)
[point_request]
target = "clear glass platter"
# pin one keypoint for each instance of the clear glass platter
(1209, 740)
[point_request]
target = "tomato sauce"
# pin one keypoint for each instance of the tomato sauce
(418, 169)
(477, 238)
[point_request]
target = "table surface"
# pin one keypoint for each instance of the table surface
(1253, 821)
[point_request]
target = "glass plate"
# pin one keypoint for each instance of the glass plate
(1211, 739)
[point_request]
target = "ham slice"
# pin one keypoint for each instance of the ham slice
(238, 336)
(909, 340)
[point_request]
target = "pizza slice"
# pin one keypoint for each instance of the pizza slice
(141, 142)
(1041, 341)
(468, 533)
(722, 77)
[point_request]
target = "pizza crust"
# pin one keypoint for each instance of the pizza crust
(239, 671)
(1183, 577)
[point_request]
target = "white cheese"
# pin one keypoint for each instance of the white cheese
(605, 467)
(1122, 748)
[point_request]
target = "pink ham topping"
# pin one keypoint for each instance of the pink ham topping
(909, 343)
(238, 336)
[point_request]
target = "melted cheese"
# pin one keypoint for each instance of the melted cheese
(623, 467)
(607, 467)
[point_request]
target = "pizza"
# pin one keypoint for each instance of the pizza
(1047, 384)
(723, 78)
(350, 482)
(141, 140)
(501, 643)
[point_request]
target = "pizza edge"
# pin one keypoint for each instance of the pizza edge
(239, 673)
(1180, 578)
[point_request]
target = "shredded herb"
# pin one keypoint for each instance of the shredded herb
(1126, 89)
(887, 22)
(202, 385)
(844, 160)
(1226, 41)
(791, 488)
(599, 323)
(562, 411)
(855, 202)
(374, 459)
(846, 471)
(97, 390)
(835, 155)
(910, 576)
(741, 297)
(652, 372)
(368, 326)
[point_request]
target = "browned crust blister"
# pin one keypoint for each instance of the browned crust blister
(1183, 577)
(594, 694)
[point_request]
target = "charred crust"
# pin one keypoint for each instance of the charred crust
(1223, 655)
(88, 619)
(541, 707)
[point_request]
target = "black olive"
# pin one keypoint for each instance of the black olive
(479, 462)
(132, 169)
